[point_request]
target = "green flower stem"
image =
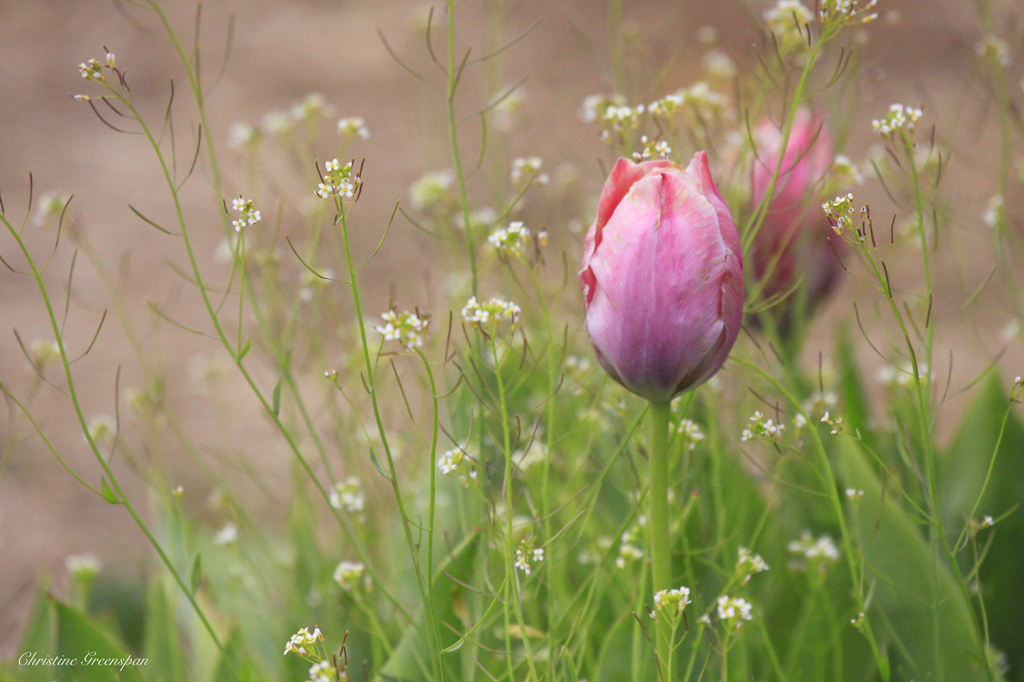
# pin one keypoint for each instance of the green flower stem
(661, 549)
(121, 497)
(553, 363)
(218, 193)
(433, 493)
(423, 585)
(510, 550)
(454, 137)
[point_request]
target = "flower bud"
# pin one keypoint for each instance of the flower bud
(792, 242)
(662, 277)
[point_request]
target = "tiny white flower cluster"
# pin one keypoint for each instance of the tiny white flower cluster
(348, 495)
(819, 551)
(854, 495)
(840, 212)
(766, 428)
(899, 118)
(690, 433)
(348, 574)
(995, 212)
(974, 525)
(454, 460)
(527, 553)
(528, 167)
(322, 672)
(660, 149)
(302, 639)
(44, 354)
(102, 429)
(628, 550)
(353, 126)
(574, 363)
(787, 20)
(508, 108)
(719, 64)
(408, 329)
(276, 123)
(511, 241)
(481, 216)
(449, 462)
(51, 204)
(83, 566)
(845, 11)
(1011, 331)
(699, 97)
(845, 172)
(903, 374)
(226, 535)
(311, 106)
(489, 316)
(431, 190)
(818, 403)
(240, 135)
(594, 105)
(994, 48)
(672, 602)
(338, 181)
(248, 215)
(92, 70)
(622, 116)
(309, 646)
(747, 564)
(1017, 390)
(734, 611)
(837, 423)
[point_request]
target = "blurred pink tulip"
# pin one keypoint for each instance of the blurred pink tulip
(662, 277)
(791, 243)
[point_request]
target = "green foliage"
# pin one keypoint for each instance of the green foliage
(821, 534)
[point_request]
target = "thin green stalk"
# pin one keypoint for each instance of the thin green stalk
(121, 497)
(549, 438)
(393, 477)
(454, 137)
(661, 548)
(218, 193)
(237, 356)
(510, 549)
(433, 490)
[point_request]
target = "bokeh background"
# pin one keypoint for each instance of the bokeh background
(920, 53)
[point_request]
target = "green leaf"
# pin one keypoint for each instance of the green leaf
(38, 638)
(197, 573)
(413, 649)
(80, 639)
(907, 582)
(277, 398)
(108, 494)
(377, 466)
(963, 469)
(245, 349)
(161, 644)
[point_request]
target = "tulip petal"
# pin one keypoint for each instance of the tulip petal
(659, 308)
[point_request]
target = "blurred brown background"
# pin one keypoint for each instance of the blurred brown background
(921, 53)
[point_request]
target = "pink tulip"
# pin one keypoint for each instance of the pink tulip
(791, 243)
(662, 277)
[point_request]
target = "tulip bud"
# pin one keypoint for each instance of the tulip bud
(792, 241)
(662, 277)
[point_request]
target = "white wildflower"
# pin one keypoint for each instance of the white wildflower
(226, 535)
